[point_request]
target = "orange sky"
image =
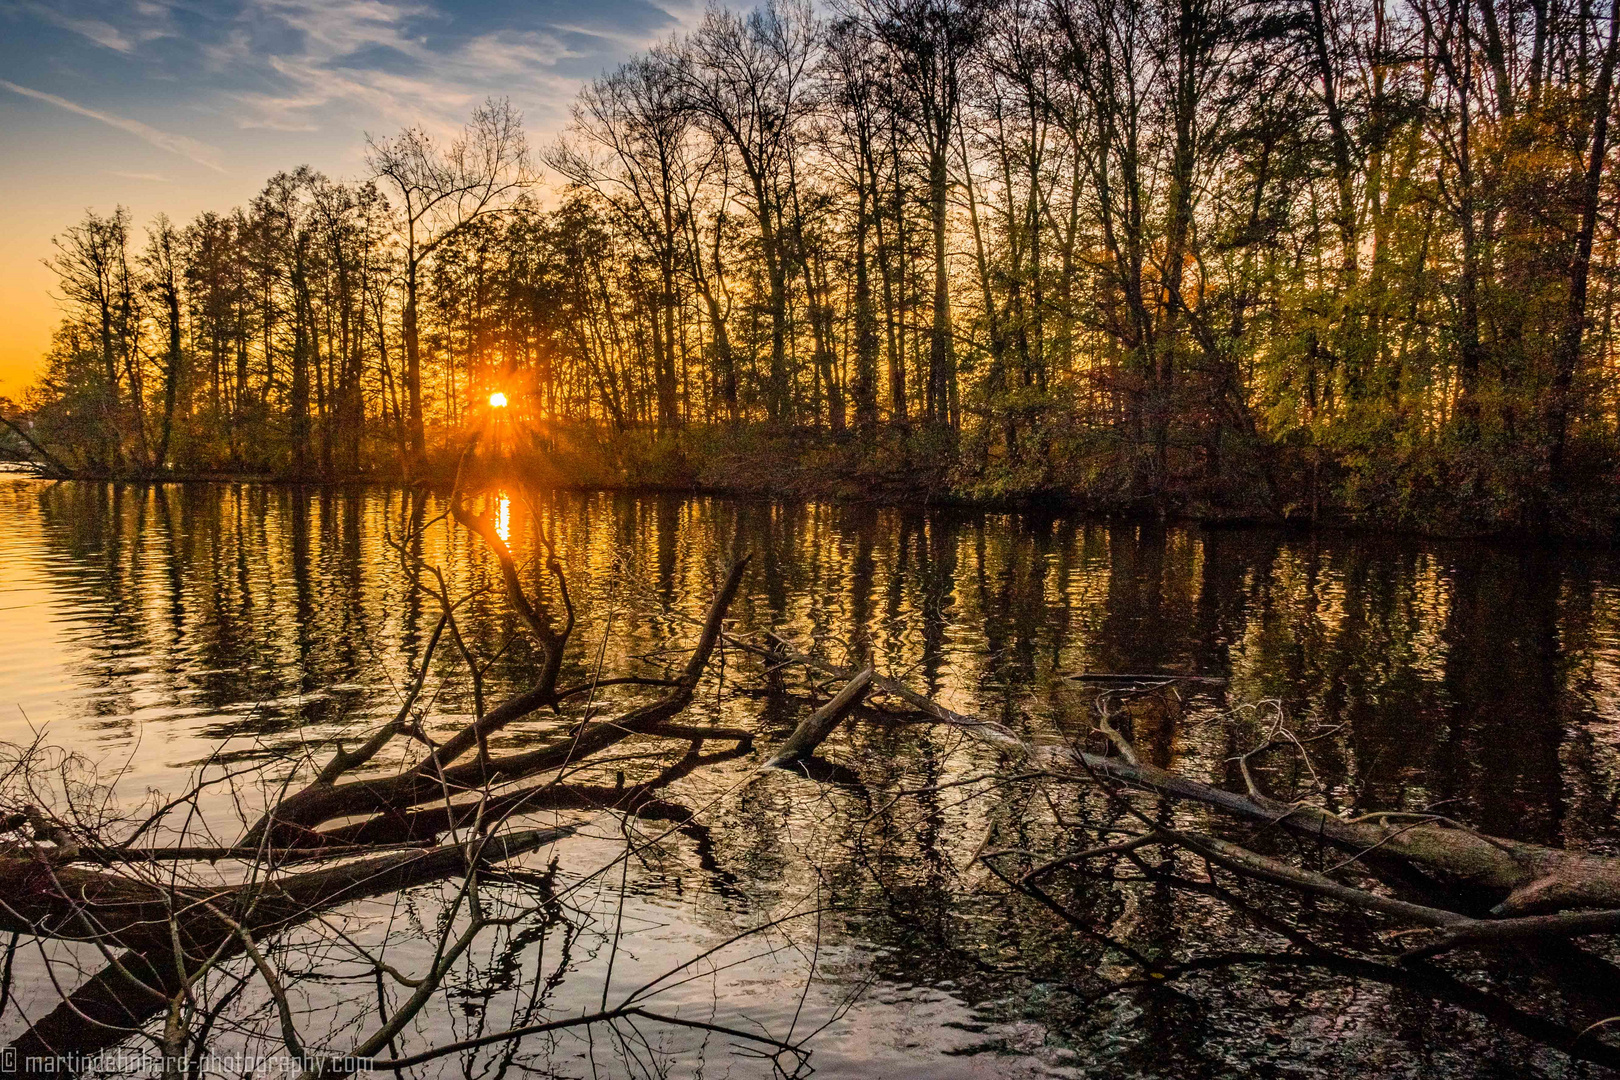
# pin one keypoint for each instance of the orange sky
(38, 202)
(43, 195)
(174, 107)
(27, 326)
(27, 311)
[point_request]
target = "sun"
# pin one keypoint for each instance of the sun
(497, 400)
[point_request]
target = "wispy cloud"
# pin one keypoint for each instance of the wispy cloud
(102, 33)
(387, 62)
(329, 67)
(184, 145)
(393, 62)
(156, 178)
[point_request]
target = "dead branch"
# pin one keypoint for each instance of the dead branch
(61, 471)
(143, 919)
(294, 818)
(600, 1017)
(819, 724)
(135, 914)
(1527, 878)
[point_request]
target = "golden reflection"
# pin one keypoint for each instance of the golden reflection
(503, 515)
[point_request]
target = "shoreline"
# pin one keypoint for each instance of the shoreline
(927, 500)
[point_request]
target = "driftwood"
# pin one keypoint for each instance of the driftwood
(1524, 878)
(159, 933)
(148, 920)
(819, 724)
(1535, 894)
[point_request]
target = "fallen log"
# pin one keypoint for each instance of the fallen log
(78, 904)
(639, 800)
(819, 724)
(165, 933)
(1528, 877)
(292, 821)
(1522, 878)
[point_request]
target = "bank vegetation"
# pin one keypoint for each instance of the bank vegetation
(1314, 259)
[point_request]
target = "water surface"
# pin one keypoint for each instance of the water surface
(155, 629)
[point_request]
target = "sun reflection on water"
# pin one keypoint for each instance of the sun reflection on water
(166, 619)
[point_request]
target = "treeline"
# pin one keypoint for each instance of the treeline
(1282, 257)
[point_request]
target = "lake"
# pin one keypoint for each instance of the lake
(159, 630)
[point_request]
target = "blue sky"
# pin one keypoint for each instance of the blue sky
(181, 105)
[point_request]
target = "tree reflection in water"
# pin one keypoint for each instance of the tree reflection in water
(249, 626)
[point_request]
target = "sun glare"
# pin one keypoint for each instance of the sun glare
(497, 400)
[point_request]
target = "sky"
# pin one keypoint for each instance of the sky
(177, 106)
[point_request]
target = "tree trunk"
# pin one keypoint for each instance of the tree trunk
(171, 373)
(941, 359)
(416, 430)
(864, 390)
(1569, 347)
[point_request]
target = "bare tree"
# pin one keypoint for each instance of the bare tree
(441, 189)
(632, 145)
(163, 278)
(856, 92)
(92, 266)
(933, 42)
(748, 79)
